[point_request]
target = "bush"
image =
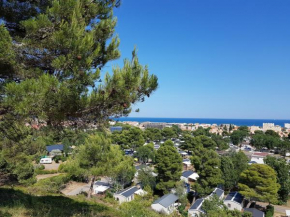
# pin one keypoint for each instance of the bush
(42, 172)
(50, 185)
(269, 211)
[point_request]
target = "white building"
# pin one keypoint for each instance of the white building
(196, 209)
(234, 200)
(165, 204)
(188, 176)
(126, 195)
(100, 187)
(258, 157)
(287, 125)
(271, 126)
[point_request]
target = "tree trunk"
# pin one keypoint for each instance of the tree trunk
(91, 187)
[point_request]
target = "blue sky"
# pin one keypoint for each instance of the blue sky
(213, 58)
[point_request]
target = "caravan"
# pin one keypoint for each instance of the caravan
(46, 160)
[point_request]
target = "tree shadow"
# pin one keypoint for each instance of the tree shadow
(49, 206)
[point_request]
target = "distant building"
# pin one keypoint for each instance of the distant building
(165, 204)
(254, 128)
(116, 128)
(271, 126)
(234, 200)
(154, 125)
(287, 125)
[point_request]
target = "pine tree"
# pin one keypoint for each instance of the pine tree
(51, 57)
(168, 166)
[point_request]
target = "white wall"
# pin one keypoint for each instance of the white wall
(233, 205)
(193, 213)
(122, 199)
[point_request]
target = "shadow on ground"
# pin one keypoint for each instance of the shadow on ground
(48, 206)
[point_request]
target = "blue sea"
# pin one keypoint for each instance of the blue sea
(238, 122)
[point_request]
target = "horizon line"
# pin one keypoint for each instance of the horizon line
(215, 118)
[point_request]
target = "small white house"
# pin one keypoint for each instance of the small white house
(234, 200)
(126, 195)
(165, 204)
(101, 187)
(196, 209)
(46, 160)
(258, 157)
(188, 176)
(218, 192)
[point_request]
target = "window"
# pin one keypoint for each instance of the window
(229, 205)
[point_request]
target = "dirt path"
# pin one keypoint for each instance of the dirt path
(74, 188)
(45, 176)
(278, 209)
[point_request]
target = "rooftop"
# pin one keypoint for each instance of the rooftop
(128, 191)
(187, 173)
(166, 200)
(197, 204)
(235, 196)
(219, 192)
(49, 148)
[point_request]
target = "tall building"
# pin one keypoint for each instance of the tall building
(287, 125)
(271, 126)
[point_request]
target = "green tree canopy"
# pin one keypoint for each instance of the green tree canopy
(207, 165)
(259, 182)
(168, 166)
(282, 169)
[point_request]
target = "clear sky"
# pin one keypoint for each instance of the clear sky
(213, 58)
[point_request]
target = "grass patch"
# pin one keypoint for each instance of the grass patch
(15, 202)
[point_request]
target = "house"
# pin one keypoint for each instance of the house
(126, 195)
(54, 149)
(258, 157)
(143, 167)
(196, 209)
(100, 187)
(186, 164)
(116, 128)
(255, 212)
(234, 200)
(165, 204)
(218, 192)
(183, 153)
(189, 176)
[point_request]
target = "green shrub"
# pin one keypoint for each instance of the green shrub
(42, 172)
(269, 211)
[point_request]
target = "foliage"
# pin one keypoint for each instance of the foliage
(269, 211)
(168, 166)
(282, 169)
(146, 177)
(169, 133)
(196, 143)
(222, 143)
(200, 131)
(153, 134)
(27, 204)
(55, 54)
(145, 153)
(131, 138)
(259, 182)
(49, 185)
(207, 165)
(228, 171)
(138, 207)
(265, 140)
(238, 135)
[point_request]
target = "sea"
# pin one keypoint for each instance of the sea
(238, 122)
